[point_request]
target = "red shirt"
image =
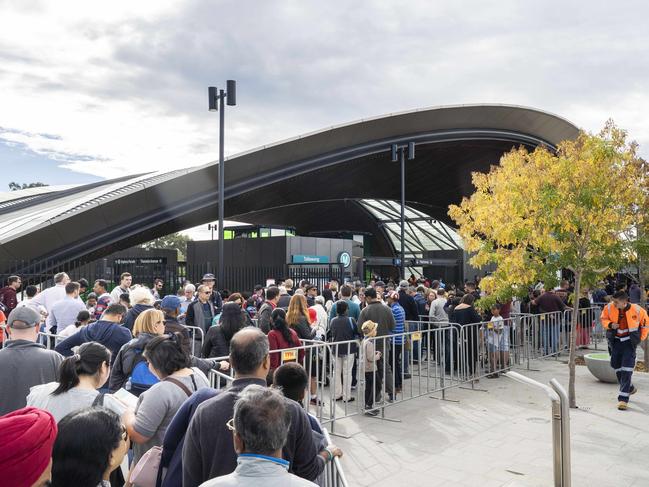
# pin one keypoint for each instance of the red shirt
(277, 342)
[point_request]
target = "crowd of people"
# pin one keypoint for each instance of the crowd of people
(101, 384)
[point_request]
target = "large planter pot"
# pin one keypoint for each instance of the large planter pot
(599, 364)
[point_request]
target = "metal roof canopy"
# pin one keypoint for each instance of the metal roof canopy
(322, 169)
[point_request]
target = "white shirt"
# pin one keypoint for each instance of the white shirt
(50, 296)
(116, 293)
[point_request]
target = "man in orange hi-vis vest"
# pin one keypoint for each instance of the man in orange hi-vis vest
(626, 324)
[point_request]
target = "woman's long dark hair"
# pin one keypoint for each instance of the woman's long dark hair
(83, 445)
(87, 361)
(278, 322)
(167, 354)
(232, 320)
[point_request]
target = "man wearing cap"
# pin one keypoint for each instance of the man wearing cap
(108, 331)
(311, 293)
(170, 306)
(27, 437)
(23, 362)
(215, 298)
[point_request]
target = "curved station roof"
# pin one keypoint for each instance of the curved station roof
(339, 180)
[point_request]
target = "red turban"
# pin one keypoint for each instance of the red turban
(26, 438)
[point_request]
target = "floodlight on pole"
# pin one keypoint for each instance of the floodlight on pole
(216, 98)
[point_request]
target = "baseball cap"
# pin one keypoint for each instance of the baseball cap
(23, 318)
(208, 277)
(170, 302)
(403, 284)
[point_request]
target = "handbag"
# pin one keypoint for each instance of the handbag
(145, 473)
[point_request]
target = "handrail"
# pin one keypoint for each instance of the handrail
(560, 426)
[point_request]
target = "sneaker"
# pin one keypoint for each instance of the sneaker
(353, 387)
(622, 406)
(492, 376)
(338, 399)
(316, 402)
(633, 390)
(407, 376)
(351, 399)
(372, 412)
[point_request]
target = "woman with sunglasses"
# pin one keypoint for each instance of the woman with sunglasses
(89, 448)
(169, 361)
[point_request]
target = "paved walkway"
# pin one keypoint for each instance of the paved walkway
(501, 437)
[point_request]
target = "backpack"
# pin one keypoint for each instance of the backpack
(141, 377)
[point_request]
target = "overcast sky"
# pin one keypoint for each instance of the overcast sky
(92, 90)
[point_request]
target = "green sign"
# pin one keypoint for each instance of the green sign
(310, 259)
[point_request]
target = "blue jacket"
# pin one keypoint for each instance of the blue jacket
(111, 335)
(172, 445)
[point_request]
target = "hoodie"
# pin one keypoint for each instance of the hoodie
(133, 313)
(112, 335)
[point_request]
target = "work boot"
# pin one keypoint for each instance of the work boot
(622, 406)
(633, 390)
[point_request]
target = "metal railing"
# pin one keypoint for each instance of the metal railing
(560, 426)
(193, 330)
(333, 474)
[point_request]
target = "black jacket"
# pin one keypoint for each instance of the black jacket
(409, 305)
(208, 450)
(343, 328)
(304, 330)
(215, 344)
(263, 317)
(133, 313)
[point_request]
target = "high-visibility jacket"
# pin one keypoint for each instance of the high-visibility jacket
(636, 320)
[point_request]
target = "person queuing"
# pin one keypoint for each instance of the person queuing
(141, 300)
(217, 340)
(27, 437)
(259, 431)
(201, 312)
(83, 319)
(124, 287)
(89, 448)
(267, 308)
(64, 312)
(279, 338)
(48, 297)
(343, 329)
(297, 318)
(207, 432)
(79, 378)
(35, 364)
(108, 331)
(8, 299)
(103, 298)
(215, 297)
(627, 325)
(171, 364)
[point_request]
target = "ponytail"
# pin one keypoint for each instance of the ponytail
(278, 322)
(87, 361)
(83, 315)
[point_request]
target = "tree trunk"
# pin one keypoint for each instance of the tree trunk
(573, 336)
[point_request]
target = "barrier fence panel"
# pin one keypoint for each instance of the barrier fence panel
(589, 326)
(404, 366)
(333, 475)
(50, 340)
(196, 334)
(544, 335)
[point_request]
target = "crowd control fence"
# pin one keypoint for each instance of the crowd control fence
(196, 335)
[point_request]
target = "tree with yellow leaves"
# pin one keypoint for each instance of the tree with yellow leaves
(542, 211)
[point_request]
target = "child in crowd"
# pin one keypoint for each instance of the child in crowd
(372, 378)
(495, 333)
(292, 380)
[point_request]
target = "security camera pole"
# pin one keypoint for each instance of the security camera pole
(215, 98)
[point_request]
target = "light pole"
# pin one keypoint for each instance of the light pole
(399, 154)
(215, 99)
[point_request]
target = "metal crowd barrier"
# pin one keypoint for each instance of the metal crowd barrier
(589, 326)
(193, 330)
(50, 340)
(333, 475)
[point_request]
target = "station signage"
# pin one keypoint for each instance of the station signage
(309, 259)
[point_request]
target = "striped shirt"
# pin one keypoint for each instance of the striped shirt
(400, 323)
